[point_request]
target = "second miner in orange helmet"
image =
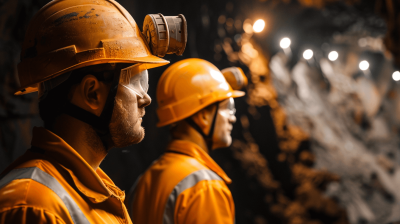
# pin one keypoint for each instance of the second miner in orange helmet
(186, 185)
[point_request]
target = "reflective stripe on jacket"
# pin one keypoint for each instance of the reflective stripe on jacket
(36, 174)
(184, 186)
(52, 183)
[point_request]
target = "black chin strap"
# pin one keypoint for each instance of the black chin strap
(207, 138)
(99, 124)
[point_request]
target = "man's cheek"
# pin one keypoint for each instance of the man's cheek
(128, 95)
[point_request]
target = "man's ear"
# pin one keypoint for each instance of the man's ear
(90, 95)
(203, 118)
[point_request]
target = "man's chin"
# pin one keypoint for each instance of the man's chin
(227, 141)
(138, 138)
(134, 137)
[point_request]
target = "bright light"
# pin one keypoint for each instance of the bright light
(285, 43)
(308, 54)
(396, 76)
(259, 26)
(333, 55)
(364, 65)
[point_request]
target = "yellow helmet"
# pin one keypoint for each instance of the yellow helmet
(67, 35)
(188, 86)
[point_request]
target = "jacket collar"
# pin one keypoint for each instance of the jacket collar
(96, 185)
(193, 150)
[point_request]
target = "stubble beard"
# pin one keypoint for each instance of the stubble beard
(124, 127)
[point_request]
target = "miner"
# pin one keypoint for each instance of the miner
(185, 185)
(88, 60)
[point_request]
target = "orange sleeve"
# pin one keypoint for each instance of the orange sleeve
(206, 202)
(28, 215)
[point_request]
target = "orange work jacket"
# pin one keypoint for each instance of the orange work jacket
(184, 186)
(52, 183)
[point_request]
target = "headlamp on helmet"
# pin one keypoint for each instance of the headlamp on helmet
(235, 77)
(165, 34)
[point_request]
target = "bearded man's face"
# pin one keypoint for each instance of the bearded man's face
(126, 122)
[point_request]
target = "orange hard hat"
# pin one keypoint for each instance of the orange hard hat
(67, 35)
(188, 86)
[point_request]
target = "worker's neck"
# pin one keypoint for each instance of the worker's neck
(183, 131)
(81, 137)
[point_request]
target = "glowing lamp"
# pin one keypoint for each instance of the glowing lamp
(396, 76)
(333, 55)
(308, 54)
(364, 65)
(285, 43)
(259, 26)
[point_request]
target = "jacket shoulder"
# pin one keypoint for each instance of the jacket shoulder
(29, 214)
(150, 195)
(205, 201)
(169, 170)
(28, 186)
(176, 164)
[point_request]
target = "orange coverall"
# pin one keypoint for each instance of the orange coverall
(184, 186)
(52, 183)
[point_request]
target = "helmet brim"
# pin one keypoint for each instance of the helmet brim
(237, 93)
(150, 61)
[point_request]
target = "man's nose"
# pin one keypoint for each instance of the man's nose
(232, 119)
(145, 101)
